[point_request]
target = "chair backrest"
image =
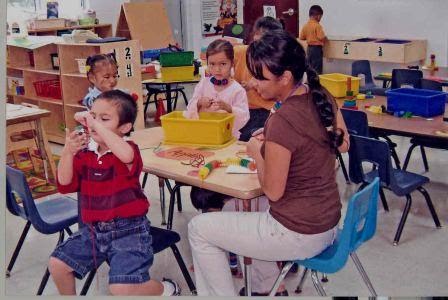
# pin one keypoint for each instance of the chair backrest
(429, 84)
(406, 77)
(356, 121)
(364, 149)
(362, 67)
(17, 184)
(360, 218)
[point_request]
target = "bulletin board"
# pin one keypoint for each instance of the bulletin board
(147, 22)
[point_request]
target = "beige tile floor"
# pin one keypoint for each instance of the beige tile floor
(417, 267)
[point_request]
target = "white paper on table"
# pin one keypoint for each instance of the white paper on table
(234, 169)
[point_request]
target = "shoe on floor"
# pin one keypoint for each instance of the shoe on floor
(176, 288)
(278, 294)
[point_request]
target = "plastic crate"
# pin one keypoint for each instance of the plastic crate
(211, 129)
(177, 73)
(425, 103)
(176, 59)
(48, 89)
(336, 84)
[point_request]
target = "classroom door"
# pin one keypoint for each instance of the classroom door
(285, 10)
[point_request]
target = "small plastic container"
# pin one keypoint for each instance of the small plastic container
(336, 84)
(211, 129)
(82, 65)
(425, 103)
(177, 73)
(176, 59)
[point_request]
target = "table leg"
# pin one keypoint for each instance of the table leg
(247, 260)
(45, 150)
(384, 84)
(162, 198)
(168, 98)
(173, 191)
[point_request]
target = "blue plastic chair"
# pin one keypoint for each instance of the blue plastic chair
(359, 227)
(400, 182)
(47, 217)
(356, 121)
(406, 77)
(363, 67)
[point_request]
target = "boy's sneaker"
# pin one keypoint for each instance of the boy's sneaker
(172, 285)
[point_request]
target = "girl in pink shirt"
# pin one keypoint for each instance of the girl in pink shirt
(219, 92)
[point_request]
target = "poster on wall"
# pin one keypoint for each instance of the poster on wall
(269, 11)
(216, 14)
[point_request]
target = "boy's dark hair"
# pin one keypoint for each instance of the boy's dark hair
(91, 61)
(205, 199)
(220, 45)
(126, 106)
(279, 52)
(316, 10)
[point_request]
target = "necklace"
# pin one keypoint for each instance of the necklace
(219, 82)
(279, 103)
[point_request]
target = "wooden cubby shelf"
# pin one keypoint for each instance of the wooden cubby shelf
(35, 65)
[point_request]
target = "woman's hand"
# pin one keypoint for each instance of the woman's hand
(75, 141)
(253, 147)
(259, 134)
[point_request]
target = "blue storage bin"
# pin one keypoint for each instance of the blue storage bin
(425, 103)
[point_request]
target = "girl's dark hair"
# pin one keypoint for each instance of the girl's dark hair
(278, 51)
(218, 46)
(316, 10)
(91, 61)
(127, 106)
(205, 199)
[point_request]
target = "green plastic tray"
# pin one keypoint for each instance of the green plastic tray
(176, 59)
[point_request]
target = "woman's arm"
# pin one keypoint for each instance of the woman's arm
(273, 170)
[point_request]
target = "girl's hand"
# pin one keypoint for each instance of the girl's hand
(253, 147)
(75, 141)
(221, 105)
(91, 123)
(205, 102)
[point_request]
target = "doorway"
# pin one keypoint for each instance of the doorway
(285, 10)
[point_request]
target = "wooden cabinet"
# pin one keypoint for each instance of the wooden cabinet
(72, 84)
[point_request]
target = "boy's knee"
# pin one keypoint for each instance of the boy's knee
(56, 266)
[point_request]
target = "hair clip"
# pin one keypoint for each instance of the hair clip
(134, 96)
(87, 68)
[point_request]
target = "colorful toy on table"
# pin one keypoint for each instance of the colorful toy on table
(214, 164)
(361, 96)
(369, 95)
(375, 109)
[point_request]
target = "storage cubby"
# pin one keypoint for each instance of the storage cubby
(67, 86)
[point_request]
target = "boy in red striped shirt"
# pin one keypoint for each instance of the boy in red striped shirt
(104, 168)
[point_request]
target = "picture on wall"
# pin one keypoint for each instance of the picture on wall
(216, 14)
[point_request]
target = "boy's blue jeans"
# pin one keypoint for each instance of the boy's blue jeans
(124, 243)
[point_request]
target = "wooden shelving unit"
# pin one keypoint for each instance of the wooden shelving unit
(74, 85)
(103, 30)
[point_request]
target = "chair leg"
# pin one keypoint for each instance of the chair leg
(404, 216)
(18, 248)
(280, 277)
(148, 99)
(44, 280)
(184, 269)
(344, 169)
(363, 273)
(408, 156)
(432, 210)
(184, 96)
(88, 282)
(324, 277)
(317, 284)
(392, 151)
(145, 178)
(175, 99)
(69, 231)
(179, 200)
(425, 160)
(383, 200)
(302, 281)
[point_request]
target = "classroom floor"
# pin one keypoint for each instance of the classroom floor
(418, 266)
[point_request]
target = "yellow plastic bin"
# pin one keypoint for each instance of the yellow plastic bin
(336, 84)
(177, 73)
(211, 129)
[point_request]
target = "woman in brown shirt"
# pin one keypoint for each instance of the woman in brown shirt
(295, 160)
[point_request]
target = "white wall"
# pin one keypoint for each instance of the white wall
(401, 19)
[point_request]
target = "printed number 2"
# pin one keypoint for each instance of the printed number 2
(128, 52)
